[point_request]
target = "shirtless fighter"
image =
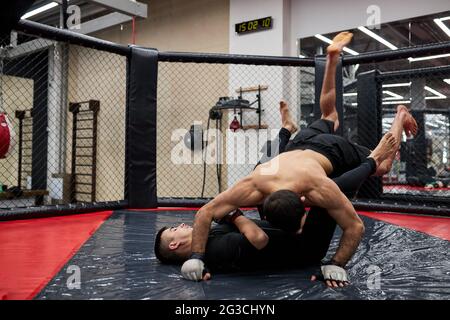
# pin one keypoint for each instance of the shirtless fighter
(314, 155)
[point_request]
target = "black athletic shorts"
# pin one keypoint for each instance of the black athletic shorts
(319, 136)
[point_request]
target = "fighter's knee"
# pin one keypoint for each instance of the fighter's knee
(383, 169)
(336, 125)
(333, 117)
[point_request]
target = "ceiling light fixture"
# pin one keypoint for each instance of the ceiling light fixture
(433, 125)
(442, 123)
(429, 58)
(393, 96)
(441, 25)
(437, 94)
(377, 37)
(435, 98)
(397, 102)
(394, 85)
(36, 11)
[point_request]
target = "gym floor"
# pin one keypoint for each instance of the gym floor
(114, 254)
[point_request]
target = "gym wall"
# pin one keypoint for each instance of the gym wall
(178, 25)
(186, 92)
(97, 75)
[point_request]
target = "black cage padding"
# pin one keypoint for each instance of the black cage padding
(369, 125)
(60, 210)
(141, 128)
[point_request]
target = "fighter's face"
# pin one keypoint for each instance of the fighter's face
(177, 233)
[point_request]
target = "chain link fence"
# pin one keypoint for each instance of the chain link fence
(215, 121)
(422, 166)
(64, 110)
(65, 106)
(188, 93)
(420, 173)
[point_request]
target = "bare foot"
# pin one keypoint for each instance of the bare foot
(286, 117)
(410, 124)
(339, 42)
(385, 148)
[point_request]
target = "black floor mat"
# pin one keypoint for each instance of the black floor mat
(118, 262)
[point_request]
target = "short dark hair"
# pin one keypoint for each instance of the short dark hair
(164, 254)
(158, 245)
(284, 210)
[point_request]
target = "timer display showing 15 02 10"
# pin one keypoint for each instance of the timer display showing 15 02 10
(254, 25)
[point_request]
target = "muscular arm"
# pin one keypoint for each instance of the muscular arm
(254, 234)
(327, 195)
(244, 193)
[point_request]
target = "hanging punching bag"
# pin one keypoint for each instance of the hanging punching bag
(9, 16)
(7, 136)
(235, 125)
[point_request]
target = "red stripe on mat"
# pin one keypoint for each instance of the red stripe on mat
(434, 226)
(33, 251)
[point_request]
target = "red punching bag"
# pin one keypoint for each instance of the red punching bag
(235, 125)
(6, 136)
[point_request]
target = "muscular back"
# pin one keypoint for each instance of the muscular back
(301, 171)
(294, 170)
(297, 171)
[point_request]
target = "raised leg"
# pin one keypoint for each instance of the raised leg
(286, 118)
(403, 121)
(384, 153)
(288, 128)
(278, 145)
(328, 94)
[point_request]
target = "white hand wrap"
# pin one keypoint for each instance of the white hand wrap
(332, 272)
(192, 269)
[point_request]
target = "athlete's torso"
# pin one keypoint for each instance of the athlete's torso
(293, 170)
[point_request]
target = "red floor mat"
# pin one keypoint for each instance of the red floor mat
(438, 227)
(33, 251)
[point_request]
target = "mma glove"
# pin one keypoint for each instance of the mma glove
(334, 272)
(194, 269)
(229, 218)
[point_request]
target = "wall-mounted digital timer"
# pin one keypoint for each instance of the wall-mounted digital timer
(254, 25)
